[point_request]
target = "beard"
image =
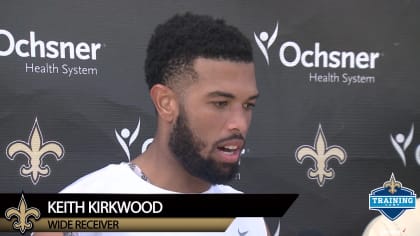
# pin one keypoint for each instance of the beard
(186, 148)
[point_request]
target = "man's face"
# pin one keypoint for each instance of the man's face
(215, 113)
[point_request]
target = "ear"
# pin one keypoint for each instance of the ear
(165, 101)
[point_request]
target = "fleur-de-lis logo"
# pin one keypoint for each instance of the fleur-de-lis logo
(321, 154)
(392, 184)
(35, 150)
(21, 215)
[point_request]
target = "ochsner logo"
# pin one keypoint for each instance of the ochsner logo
(291, 54)
(47, 49)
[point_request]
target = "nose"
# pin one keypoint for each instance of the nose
(239, 120)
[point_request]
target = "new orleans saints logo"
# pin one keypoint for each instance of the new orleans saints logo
(321, 154)
(21, 215)
(35, 150)
(392, 184)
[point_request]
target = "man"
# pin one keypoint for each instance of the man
(201, 77)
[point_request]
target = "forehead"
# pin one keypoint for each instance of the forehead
(224, 75)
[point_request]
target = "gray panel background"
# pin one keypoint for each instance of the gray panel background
(83, 112)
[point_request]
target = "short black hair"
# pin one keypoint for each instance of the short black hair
(176, 43)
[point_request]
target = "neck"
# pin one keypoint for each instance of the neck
(164, 171)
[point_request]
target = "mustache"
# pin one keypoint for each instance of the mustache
(231, 137)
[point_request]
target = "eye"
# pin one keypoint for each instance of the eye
(220, 104)
(249, 106)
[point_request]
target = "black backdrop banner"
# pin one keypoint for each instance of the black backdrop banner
(334, 77)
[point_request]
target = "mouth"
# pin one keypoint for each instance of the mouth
(229, 151)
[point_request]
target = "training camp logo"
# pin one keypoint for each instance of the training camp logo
(21, 215)
(401, 142)
(321, 154)
(35, 150)
(392, 199)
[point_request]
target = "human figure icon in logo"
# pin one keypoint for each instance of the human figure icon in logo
(125, 138)
(401, 143)
(262, 38)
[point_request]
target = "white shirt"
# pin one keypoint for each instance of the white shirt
(122, 179)
(408, 224)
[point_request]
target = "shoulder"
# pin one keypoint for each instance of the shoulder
(408, 224)
(220, 188)
(111, 178)
(249, 226)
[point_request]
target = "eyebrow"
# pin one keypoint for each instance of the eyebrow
(228, 95)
